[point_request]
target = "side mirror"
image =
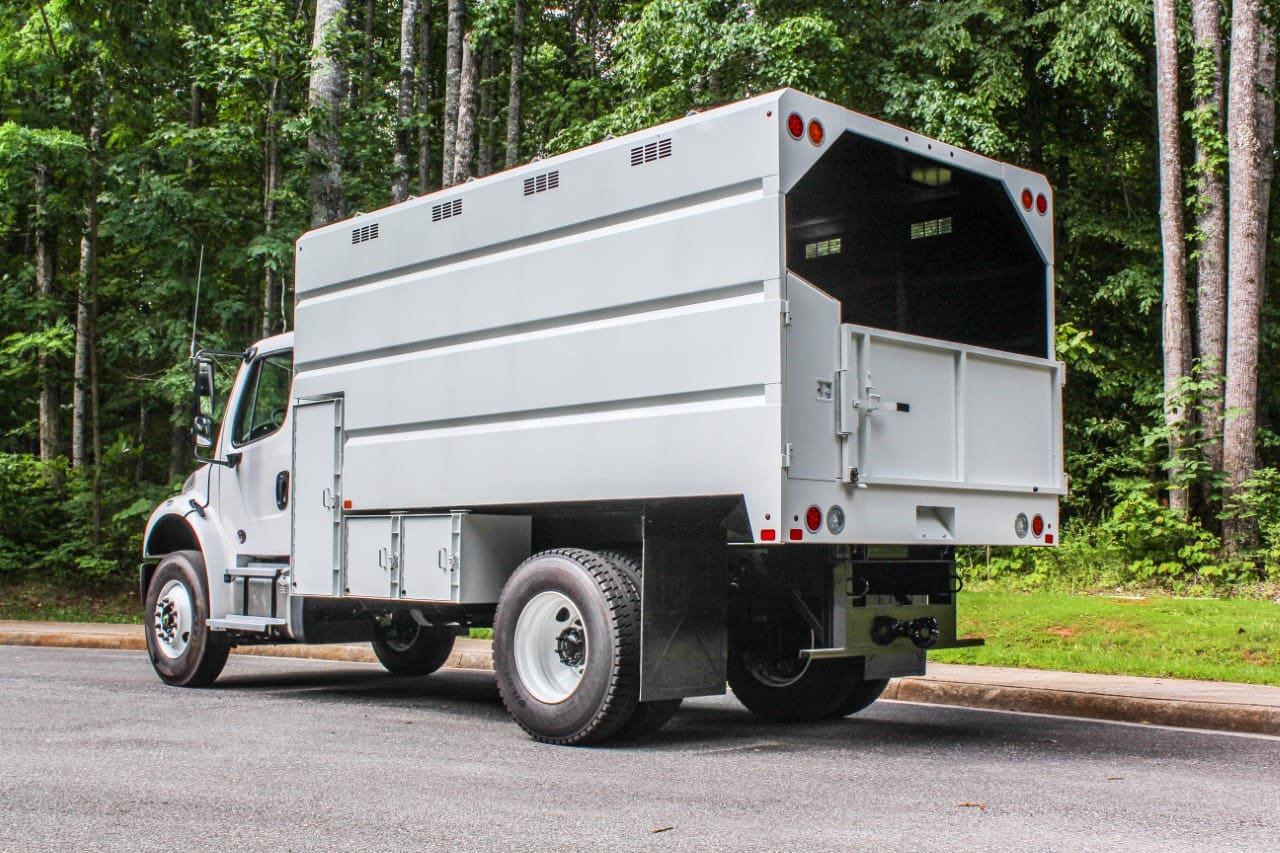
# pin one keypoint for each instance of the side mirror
(204, 403)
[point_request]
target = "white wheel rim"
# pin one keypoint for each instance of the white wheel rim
(551, 647)
(172, 620)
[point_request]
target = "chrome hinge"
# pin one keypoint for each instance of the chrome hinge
(786, 455)
(786, 312)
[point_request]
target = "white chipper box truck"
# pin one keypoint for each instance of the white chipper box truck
(711, 402)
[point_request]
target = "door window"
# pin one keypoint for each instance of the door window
(265, 402)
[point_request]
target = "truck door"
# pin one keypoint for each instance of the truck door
(254, 494)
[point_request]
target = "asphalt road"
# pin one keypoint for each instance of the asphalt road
(96, 753)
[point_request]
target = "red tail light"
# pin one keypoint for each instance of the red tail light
(813, 519)
(795, 125)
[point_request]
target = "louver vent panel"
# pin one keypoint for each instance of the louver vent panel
(364, 233)
(651, 151)
(542, 183)
(446, 209)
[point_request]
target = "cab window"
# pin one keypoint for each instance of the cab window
(265, 400)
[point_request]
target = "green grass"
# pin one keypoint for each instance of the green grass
(39, 600)
(1153, 635)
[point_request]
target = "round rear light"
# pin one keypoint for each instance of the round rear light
(1037, 526)
(835, 519)
(1021, 525)
(813, 519)
(1027, 200)
(1042, 204)
(795, 125)
(816, 133)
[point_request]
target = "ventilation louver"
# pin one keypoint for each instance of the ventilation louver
(446, 209)
(542, 183)
(364, 233)
(650, 151)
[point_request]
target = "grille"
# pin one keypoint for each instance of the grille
(651, 151)
(446, 209)
(364, 233)
(542, 183)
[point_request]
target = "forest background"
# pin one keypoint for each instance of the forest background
(146, 144)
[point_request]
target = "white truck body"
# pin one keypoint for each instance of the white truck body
(857, 320)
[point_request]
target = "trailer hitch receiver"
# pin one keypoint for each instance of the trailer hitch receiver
(922, 632)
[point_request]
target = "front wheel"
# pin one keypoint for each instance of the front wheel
(182, 651)
(566, 647)
(412, 649)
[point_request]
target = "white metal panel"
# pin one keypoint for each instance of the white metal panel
(934, 413)
(491, 546)
(317, 432)
(426, 546)
(809, 408)
(369, 569)
(690, 255)
(725, 447)
(688, 351)
(1010, 435)
(920, 442)
(709, 155)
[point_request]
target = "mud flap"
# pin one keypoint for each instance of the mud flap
(684, 622)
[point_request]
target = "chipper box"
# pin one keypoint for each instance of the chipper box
(712, 402)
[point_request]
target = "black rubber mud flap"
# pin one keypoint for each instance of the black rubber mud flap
(684, 613)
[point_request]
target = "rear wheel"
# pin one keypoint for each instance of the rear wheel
(407, 648)
(182, 651)
(654, 714)
(862, 693)
(792, 689)
(566, 647)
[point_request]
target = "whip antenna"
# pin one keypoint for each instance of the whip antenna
(195, 318)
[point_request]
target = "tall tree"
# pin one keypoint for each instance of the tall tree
(452, 86)
(323, 142)
(1246, 243)
(45, 258)
(465, 146)
(1211, 215)
(1176, 330)
(423, 80)
(515, 81)
(404, 102)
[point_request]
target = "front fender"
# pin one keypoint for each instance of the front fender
(186, 521)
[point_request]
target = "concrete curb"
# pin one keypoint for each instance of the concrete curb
(1185, 713)
(1185, 704)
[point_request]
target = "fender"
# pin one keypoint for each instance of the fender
(189, 520)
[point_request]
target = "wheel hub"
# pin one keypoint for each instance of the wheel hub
(172, 620)
(551, 647)
(571, 646)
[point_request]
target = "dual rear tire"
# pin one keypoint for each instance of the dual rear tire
(566, 649)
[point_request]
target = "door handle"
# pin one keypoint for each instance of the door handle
(282, 490)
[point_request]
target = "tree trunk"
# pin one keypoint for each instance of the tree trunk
(404, 104)
(271, 288)
(45, 243)
(464, 151)
(517, 80)
(80, 369)
(323, 143)
(452, 86)
(366, 58)
(484, 159)
(424, 97)
(1245, 256)
(1211, 218)
(1175, 330)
